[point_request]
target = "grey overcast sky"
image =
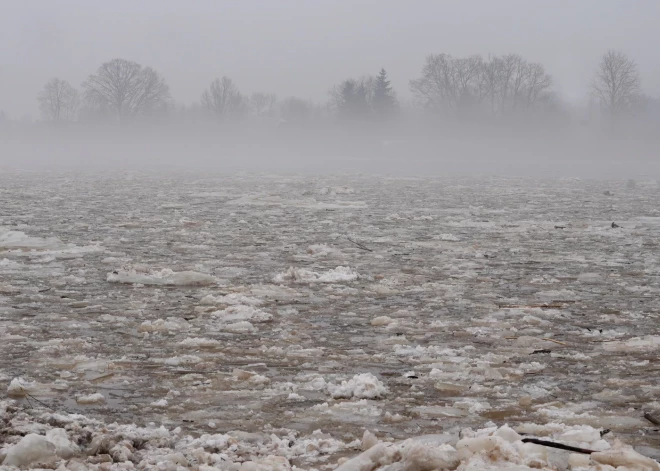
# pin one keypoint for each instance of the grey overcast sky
(303, 47)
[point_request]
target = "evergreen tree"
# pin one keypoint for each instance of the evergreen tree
(384, 102)
(352, 98)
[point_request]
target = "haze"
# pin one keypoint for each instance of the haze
(304, 49)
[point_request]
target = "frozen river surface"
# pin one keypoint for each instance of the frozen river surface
(271, 320)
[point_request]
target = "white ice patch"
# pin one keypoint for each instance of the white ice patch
(172, 324)
(336, 190)
(52, 246)
(165, 277)
(96, 398)
(563, 294)
(199, 342)
(448, 238)
(20, 387)
(32, 448)
(182, 360)
(323, 251)
(241, 313)
(496, 449)
(241, 327)
(637, 344)
(308, 203)
(381, 321)
(361, 386)
(230, 300)
(17, 240)
(301, 275)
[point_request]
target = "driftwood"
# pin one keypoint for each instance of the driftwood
(28, 396)
(560, 446)
(359, 245)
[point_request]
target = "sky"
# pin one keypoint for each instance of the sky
(304, 47)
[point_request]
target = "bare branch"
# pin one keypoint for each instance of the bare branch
(223, 99)
(127, 88)
(617, 83)
(58, 101)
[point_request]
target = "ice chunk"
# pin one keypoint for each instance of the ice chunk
(183, 360)
(32, 448)
(164, 277)
(96, 398)
(301, 275)
(199, 342)
(323, 251)
(637, 344)
(64, 448)
(238, 327)
(19, 387)
(369, 440)
(17, 240)
(590, 277)
(449, 238)
(469, 446)
(420, 455)
(625, 456)
(361, 386)
(230, 300)
(563, 294)
(160, 325)
(242, 313)
(381, 454)
(381, 320)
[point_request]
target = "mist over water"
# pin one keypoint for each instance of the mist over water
(373, 87)
(334, 151)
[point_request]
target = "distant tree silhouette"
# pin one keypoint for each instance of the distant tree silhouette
(383, 101)
(263, 104)
(223, 100)
(504, 86)
(617, 83)
(127, 88)
(352, 98)
(58, 101)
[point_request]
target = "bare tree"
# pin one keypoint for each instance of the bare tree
(263, 104)
(503, 85)
(537, 85)
(617, 82)
(448, 83)
(58, 101)
(223, 99)
(491, 84)
(127, 88)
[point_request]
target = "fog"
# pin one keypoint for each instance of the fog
(303, 82)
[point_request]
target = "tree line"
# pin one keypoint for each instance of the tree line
(495, 88)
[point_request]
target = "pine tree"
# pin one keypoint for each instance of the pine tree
(384, 102)
(352, 99)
